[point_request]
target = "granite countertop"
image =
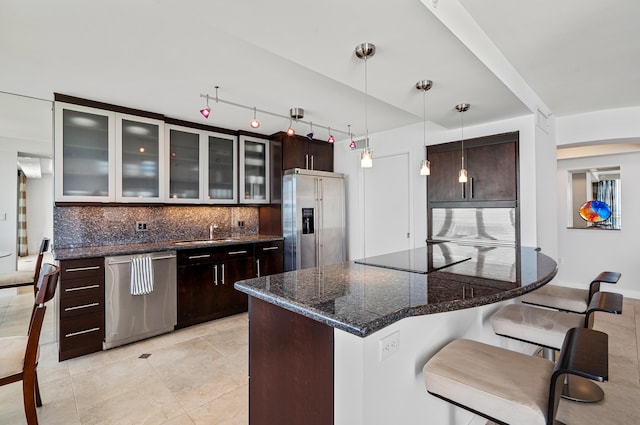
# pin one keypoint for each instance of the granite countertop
(139, 248)
(361, 299)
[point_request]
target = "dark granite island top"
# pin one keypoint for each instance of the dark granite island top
(362, 299)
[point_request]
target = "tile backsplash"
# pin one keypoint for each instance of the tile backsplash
(81, 226)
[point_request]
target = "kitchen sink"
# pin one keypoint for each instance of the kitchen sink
(205, 241)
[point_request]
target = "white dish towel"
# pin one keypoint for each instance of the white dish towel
(141, 275)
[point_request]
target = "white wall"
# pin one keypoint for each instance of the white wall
(26, 126)
(582, 254)
(39, 211)
(537, 160)
(371, 391)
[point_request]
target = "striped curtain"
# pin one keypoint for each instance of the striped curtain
(23, 247)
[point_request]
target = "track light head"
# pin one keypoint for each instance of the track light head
(310, 135)
(206, 111)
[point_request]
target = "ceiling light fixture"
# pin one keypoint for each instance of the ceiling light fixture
(331, 139)
(310, 133)
(352, 143)
(462, 175)
(206, 111)
(254, 122)
(425, 164)
(291, 131)
(365, 51)
(294, 113)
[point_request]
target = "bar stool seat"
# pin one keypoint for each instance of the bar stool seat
(508, 387)
(575, 300)
(547, 328)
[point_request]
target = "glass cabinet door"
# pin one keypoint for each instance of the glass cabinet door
(254, 166)
(222, 169)
(184, 165)
(84, 139)
(139, 164)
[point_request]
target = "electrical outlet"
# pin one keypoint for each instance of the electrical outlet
(240, 223)
(142, 226)
(389, 345)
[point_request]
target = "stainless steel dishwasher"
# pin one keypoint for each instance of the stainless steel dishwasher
(129, 317)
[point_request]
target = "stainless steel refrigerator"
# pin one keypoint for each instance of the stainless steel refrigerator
(313, 218)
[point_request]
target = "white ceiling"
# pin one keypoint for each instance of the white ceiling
(160, 55)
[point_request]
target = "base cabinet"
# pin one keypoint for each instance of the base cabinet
(205, 282)
(81, 307)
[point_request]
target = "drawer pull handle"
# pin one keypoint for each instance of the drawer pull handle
(237, 252)
(81, 288)
(82, 269)
(78, 307)
(81, 332)
(271, 248)
(193, 257)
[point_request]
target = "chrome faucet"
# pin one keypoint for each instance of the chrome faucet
(212, 228)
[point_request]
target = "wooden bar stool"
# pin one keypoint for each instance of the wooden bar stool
(547, 329)
(562, 298)
(508, 387)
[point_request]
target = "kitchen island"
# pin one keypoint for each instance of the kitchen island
(345, 344)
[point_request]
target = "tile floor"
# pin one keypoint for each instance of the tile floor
(198, 376)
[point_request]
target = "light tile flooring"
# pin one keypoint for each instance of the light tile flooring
(199, 376)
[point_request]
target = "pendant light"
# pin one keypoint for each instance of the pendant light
(462, 174)
(364, 51)
(425, 164)
(331, 139)
(352, 143)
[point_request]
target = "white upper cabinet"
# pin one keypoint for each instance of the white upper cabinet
(254, 170)
(139, 159)
(104, 156)
(221, 169)
(84, 154)
(184, 164)
(202, 166)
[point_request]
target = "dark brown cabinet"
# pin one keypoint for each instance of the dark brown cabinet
(300, 152)
(269, 258)
(205, 283)
(81, 307)
(206, 277)
(492, 166)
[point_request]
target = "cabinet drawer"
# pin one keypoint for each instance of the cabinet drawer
(78, 269)
(197, 257)
(236, 252)
(77, 306)
(270, 248)
(81, 335)
(90, 287)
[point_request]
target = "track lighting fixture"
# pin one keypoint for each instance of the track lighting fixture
(425, 164)
(331, 139)
(295, 114)
(254, 122)
(291, 131)
(310, 133)
(206, 111)
(364, 51)
(352, 143)
(462, 174)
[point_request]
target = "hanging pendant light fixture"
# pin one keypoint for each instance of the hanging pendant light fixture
(365, 51)
(462, 174)
(331, 139)
(425, 164)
